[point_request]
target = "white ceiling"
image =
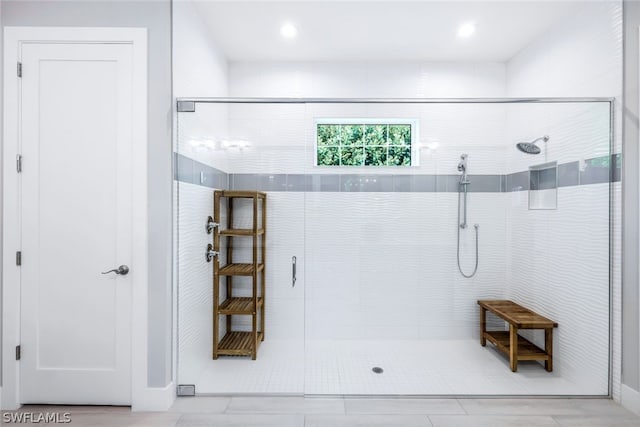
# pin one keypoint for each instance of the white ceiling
(378, 30)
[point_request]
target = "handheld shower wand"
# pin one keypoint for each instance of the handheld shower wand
(462, 189)
(464, 182)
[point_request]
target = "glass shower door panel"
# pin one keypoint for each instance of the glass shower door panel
(240, 147)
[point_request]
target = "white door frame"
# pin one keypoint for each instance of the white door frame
(143, 398)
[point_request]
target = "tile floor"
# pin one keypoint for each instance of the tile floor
(343, 367)
(347, 412)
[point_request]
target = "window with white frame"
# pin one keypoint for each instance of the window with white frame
(366, 142)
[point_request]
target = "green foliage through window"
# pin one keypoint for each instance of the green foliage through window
(368, 144)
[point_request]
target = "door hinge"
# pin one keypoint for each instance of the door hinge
(19, 69)
(19, 258)
(19, 163)
(18, 352)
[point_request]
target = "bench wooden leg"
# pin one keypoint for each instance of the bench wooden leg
(513, 347)
(483, 326)
(548, 348)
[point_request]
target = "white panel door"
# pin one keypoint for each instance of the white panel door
(76, 213)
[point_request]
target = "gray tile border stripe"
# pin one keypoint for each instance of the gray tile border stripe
(568, 174)
(243, 181)
(485, 183)
(596, 170)
(518, 181)
(191, 171)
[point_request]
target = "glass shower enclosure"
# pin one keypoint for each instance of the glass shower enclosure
(378, 212)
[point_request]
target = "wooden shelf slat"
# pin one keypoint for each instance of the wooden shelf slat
(239, 305)
(237, 343)
(517, 315)
(526, 349)
(241, 232)
(239, 269)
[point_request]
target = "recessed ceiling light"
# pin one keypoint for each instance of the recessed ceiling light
(288, 31)
(466, 30)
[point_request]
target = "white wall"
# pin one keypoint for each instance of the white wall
(366, 79)
(199, 67)
(382, 266)
(200, 70)
(579, 57)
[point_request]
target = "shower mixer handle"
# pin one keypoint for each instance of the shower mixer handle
(210, 254)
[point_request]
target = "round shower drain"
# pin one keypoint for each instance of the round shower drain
(377, 370)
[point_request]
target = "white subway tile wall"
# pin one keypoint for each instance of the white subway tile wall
(195, 297)
(562, 272)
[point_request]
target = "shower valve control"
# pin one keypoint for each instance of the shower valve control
(211, 253)
(211, 225)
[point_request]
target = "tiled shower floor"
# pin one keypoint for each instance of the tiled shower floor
(436, 367)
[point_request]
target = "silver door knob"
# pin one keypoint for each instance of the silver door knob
(123, 270)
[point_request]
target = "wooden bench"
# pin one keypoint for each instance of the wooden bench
(508, 342)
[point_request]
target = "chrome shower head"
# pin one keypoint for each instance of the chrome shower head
(528, 147)
(531, 147)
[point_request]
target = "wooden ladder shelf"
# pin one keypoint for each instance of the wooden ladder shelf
(239, 343)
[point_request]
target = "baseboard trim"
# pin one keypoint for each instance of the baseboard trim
(155, 399)
(630, 399)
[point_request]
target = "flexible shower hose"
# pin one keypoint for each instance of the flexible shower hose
(476, 226)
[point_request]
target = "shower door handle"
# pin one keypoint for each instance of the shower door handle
(294, 274)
